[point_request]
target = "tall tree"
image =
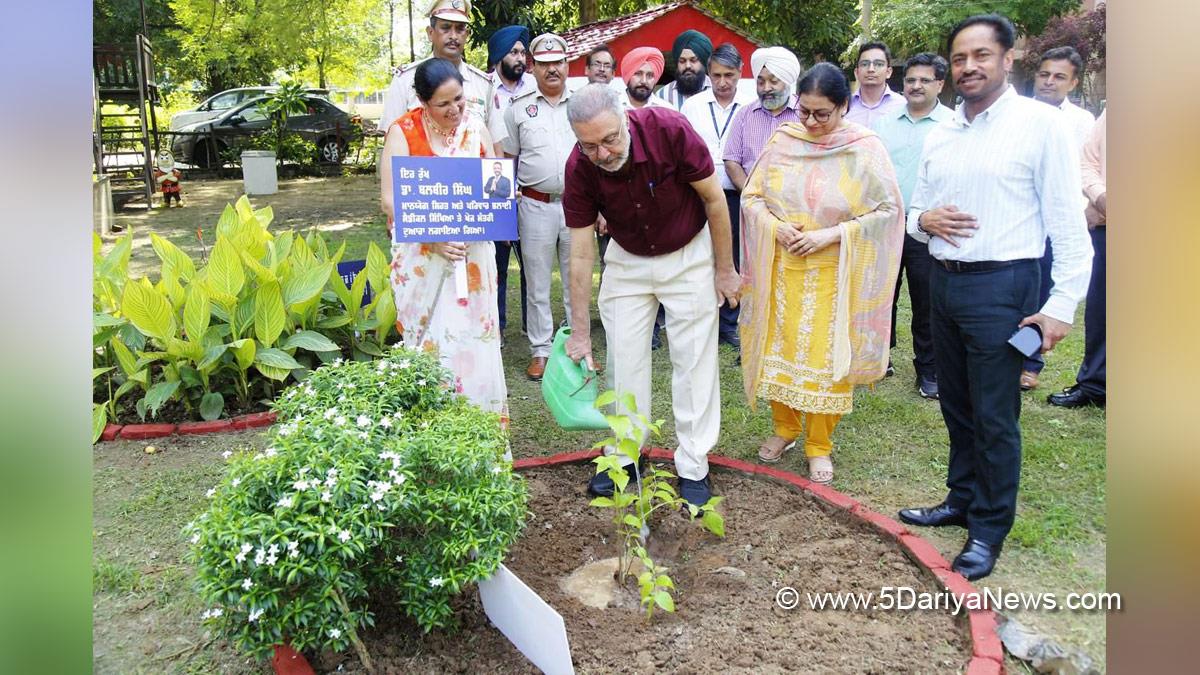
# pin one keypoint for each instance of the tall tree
(911, 26)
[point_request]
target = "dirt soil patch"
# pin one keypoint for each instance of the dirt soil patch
(725, 620)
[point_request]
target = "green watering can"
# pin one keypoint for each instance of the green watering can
(570, 388)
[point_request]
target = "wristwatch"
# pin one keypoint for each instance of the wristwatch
(920, 229)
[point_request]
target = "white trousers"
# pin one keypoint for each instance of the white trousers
(683, 281)
(544, 236)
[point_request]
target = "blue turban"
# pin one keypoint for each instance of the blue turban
(502, 41)
(696, 41)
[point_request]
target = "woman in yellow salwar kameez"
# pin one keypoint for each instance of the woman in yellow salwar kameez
(823, 227)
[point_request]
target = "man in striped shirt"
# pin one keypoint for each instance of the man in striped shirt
(992, 183)
(776, 70)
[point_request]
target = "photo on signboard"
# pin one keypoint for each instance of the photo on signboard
(497, 180)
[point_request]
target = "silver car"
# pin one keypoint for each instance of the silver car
(213, 106)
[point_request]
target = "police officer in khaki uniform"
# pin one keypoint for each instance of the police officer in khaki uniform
(540, 136)
(448, 33)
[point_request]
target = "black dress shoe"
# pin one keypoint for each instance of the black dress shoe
(1075, 397)
(730, 338)
(935, 516)
(696, 492)
(927, 387)
(890, 370)
(976, 559)
(600, 485)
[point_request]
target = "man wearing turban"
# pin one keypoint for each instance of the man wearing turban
(775, 70)
(640, 69)
(691, 52)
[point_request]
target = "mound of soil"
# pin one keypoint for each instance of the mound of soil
(726, 618)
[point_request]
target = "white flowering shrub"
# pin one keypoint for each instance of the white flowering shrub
(377, 477)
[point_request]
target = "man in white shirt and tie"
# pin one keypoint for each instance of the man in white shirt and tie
(711, 111)
(992, 183)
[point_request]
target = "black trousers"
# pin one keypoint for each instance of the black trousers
(917, 264)
(1091, 377)
(503, 249)
(729, 315)
(1036, 363)
(972, 316)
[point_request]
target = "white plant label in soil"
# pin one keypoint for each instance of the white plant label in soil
(534, 627)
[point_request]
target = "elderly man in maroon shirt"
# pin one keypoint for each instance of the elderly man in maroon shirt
(651, 176)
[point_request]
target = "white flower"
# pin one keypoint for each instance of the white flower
(212, 613)
(363, 421)
(405, 363)
(227, 454)
(258, 455)
(293, 548)
(364, 435)
(254, 615)
(260, 556)
(436, 581)
(337, 362)
(335, 633)
(304, 470)
(339, 420)
(350, 385)
(272, 559)
(342, 398)
(326, 496)
(210, 493)
(300, 485)
(344, 536)
(271, 452)
(241, 557)
(285, 502)
(399, 558)
(332, 471)
(286, 430)
(330, 413)
(496, 469)
(247, 584)
(398, 414)
(421, 383)
(386, 423)
(273, 548)
(196, 538)
(236, 482)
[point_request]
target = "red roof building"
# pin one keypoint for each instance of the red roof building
(653, 27)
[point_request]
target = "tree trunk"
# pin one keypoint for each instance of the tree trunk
(866, 20)
(391, 34)
(588, 11)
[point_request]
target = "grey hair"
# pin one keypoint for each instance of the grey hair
(590, 101)
(727, 55)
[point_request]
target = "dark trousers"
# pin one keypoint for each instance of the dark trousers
(972, 316)
(1091, 377)
(729, 315)
(503, 248)
(1035, 363)
(916, 263)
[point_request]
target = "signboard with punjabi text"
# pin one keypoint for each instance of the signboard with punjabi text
(453, 199)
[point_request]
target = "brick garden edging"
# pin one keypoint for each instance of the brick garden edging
(140, 432)
(987, 651)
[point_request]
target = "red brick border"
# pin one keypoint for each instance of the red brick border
(138, 432)
(987, 650)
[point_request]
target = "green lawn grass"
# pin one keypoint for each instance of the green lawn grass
(890, 453)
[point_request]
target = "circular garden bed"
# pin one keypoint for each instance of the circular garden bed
(726, 613)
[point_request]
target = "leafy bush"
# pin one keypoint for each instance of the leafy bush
(377, 477)
(260, 309)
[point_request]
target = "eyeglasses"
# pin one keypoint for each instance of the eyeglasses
(611, 142)
(924, 81)
(867, 65)
(601, 66)
(822, 116)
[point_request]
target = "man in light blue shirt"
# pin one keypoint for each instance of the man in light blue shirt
(904, 134)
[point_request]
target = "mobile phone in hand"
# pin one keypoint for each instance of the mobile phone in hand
(1027, 340)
